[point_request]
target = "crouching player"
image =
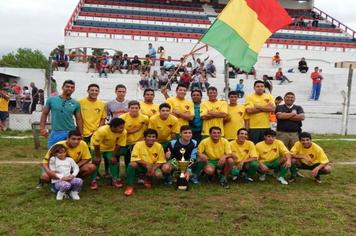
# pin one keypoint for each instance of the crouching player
(273, 154)
(174, 154)
(214, 153)
(147, 158)
(245, 154)
(106, 142)
(308, 155)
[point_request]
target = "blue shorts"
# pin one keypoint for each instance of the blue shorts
(4, 115)
(56, 136)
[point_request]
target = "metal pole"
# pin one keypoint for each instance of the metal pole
(349, 87)
(344, 111)
(226, 79)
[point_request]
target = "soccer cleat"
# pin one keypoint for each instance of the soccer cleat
(262, 177)
(147, 184)
(292, 179)
(40, 184)
(282, 180)
(248, 179)
(318, 179)
(194, 179)
(93, 185)
(74, 195)
(234, 178)
(168, 180)
(60, 195)
(140, 180)
(224, 183)
(129, 191)
(117, 184)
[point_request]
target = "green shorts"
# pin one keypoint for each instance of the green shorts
(304, 166)
(143, 170)
(275, 164)
(214, 163)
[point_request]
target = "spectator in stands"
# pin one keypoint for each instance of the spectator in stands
(136, 65)
(144, 78)
(272, 115)
(18, 94)
(35, 97)
(162, 55)
(125, 64)
(301, 22)
(197, 62)
(62, 109)
(185, 78)
(152, 53)
(240, 88)
(60, 60)
(280, 76)
(195, 81)
(203, 81)
(119, 105)
(147, 63)
(316, 78)
(115, 64)
(163, 79)
(92, 61)
(4, 109)
(53, 83)
(252, 72)
(289, 120)
(169, 64)
(295, 21)
(154, 80)
(181, 65)
(26, 100)
(309, 24)
(12, 96)
(189, 68)
(103, 67)
(302, 66)
(267, 82)
(211, 69)
(172, 76)
(276, 59)
(41, 98)
(316, 18)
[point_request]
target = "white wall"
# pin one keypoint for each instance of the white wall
(294, 4)
(26, 76)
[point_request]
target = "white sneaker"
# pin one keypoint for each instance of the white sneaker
(60, 195)
(262, 177)
(282, 180)
(74, 195)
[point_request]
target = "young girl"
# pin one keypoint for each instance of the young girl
(144, 78)
(66, 171)
(154, 81)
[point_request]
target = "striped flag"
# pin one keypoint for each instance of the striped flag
(242, 28)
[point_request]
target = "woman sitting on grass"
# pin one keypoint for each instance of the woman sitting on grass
(66, 171)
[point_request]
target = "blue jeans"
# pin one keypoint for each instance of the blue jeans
(56, 136)
(316, 91)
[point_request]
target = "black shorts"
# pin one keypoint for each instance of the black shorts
(4, 115)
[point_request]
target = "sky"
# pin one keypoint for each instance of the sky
(39, 24)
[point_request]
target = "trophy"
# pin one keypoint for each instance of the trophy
(182, 183)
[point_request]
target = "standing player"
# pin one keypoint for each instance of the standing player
(258, 106)
(147, 158)
(236, 117)
(215, 153)
(119, 105)
(106, 142)
(196, 124)
(149, 108)
(4, 109)
(213, 112)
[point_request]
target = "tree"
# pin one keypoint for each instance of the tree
(99, 52)
(25, 58)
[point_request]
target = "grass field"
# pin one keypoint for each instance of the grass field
(302, 208)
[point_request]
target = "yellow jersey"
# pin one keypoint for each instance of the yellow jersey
(164, 128)
(259, 120)
(149, 109)
(184, 106)
(214, 151)
(270, 152)
(78, 153)
(217, 106)
(92, 113)
(131, 122)
(237, 115)
(107, 140)
(315, 153)
(4, 104)
(243, 151)
(151, 155)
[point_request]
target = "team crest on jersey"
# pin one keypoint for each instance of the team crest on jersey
(246, 151)
(186, 107)
(78, 154)
(170, 126)
(153, 111)
(239, 113)
(97, 110)
(266, 100)
(155, 155)
(311, 155)
(274, 149)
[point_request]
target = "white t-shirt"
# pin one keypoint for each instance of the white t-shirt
(63, 167)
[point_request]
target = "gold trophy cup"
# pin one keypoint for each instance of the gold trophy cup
(182, 183)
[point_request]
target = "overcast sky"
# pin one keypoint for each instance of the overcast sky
(39, 24)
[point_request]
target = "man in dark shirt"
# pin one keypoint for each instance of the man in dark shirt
(35, 96)
(302, 66)
(289, 120)
(136, 65)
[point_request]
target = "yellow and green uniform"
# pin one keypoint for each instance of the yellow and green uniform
(92, 113)
(149, 109)
(258, 122)
(131, 122)
(4, 104)
(184, 106)
(151, 155)
(217, 106)
(237, 115)
(315, 153)
(165, 127)
(107, 140)
(270, 154)
(243, 152)
(78, 153)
